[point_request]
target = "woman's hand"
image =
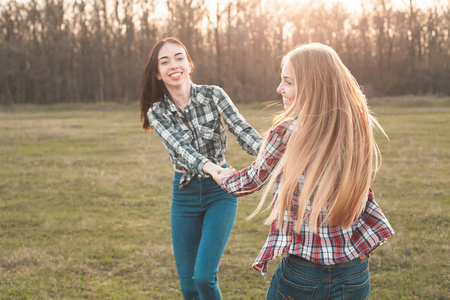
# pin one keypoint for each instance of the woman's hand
(211, 169)
(224, 172)
(217, 172)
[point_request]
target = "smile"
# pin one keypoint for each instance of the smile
(175, 75)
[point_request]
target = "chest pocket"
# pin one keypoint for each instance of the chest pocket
(185, 131)
(210, 130)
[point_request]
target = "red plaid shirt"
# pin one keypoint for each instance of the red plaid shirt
(331, 244)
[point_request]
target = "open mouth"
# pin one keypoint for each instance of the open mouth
(175, 75)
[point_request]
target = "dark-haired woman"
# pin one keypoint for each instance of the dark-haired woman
(187, 117)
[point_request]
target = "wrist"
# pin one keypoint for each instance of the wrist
(209, 168)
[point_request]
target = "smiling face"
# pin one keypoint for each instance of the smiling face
(287, 85)
(173, 65)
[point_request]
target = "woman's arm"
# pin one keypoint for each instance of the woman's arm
(247, 137)
(217, 171)
(253, 177)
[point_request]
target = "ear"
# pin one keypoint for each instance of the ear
(158, 76)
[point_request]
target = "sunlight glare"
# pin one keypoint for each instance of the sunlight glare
(353, 6)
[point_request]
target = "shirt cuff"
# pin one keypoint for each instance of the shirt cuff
(201, 164)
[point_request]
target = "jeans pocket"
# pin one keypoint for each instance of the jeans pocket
(288, 290)
(176, 180)
(357, 291)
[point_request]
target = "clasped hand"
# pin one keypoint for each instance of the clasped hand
(221, 173)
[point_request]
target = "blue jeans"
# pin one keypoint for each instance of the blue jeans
(297, 278)
(202, 216)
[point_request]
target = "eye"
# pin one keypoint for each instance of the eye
(180, 58)
(164, 62)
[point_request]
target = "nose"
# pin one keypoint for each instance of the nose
(280, 89)
(173, 65)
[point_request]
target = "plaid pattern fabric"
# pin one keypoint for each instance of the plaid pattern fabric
(196, 135)
(332, 244)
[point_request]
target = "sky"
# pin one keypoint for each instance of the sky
(353, 5)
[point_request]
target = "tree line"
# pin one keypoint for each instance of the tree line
(55, 51)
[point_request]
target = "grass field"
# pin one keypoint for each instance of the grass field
(85, 199)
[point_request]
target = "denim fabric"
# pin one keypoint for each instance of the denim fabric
(296, 279)
(202, 216)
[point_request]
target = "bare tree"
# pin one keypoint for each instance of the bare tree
(94, 50)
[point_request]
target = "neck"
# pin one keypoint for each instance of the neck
(180, 95)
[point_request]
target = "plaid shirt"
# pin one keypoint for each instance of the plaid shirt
(332, 244)
(196, 136)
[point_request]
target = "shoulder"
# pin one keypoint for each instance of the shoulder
(206, 88)
(279, 135)
(284, 128)
(206, 93)
(159, 108)
(158, 105)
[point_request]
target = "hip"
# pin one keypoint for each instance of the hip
(336, 272)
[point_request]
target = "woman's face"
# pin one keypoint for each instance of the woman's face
(173, 65)
(287, 85)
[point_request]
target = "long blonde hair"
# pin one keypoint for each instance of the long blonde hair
(332, 144)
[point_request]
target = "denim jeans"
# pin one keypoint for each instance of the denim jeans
(202, 216)
(297, 278)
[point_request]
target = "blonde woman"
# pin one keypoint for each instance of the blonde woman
(320, 157)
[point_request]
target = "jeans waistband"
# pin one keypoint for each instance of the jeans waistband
(303, 261)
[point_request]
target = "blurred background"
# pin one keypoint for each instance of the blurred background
(57, 51)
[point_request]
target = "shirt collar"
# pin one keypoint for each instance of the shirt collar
(194, 99)
(197, 97)
(171, 106)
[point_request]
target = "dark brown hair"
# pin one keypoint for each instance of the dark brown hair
(153, 90)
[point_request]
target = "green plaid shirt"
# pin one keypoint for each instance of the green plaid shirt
(196, 135)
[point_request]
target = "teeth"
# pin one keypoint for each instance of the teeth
(175, 75)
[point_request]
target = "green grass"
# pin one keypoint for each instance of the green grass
(85, 200)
